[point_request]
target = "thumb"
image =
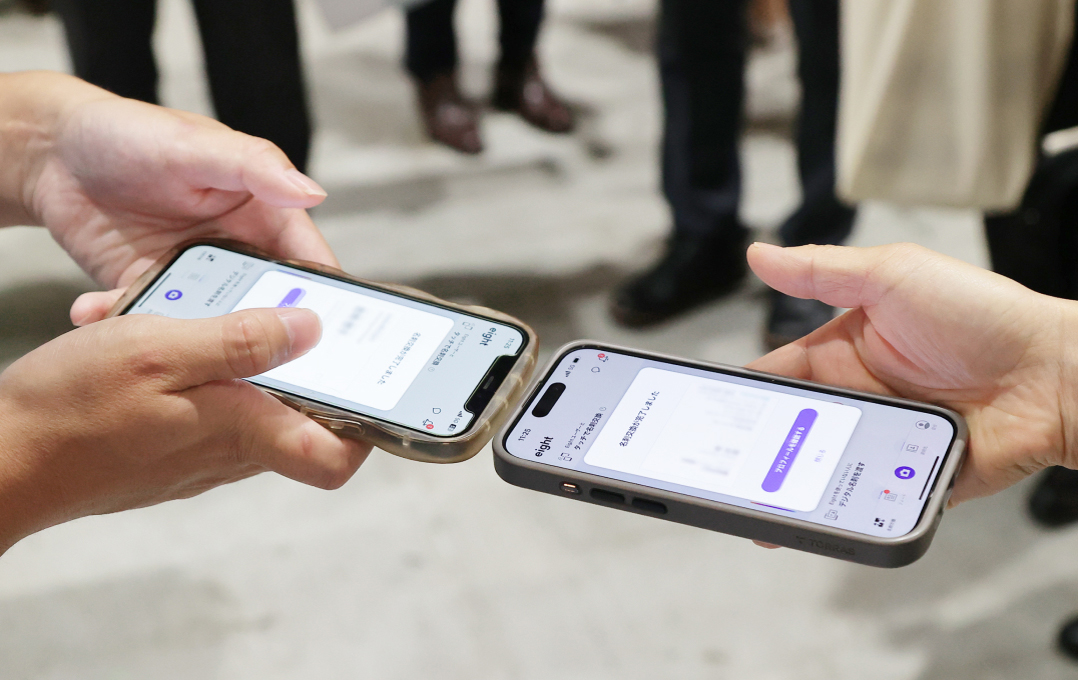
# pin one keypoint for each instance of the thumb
(238, 345)
(838, 275)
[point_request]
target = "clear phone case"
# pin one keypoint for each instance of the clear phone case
(396, 439)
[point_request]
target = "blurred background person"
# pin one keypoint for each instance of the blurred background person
(431, 58)
(702, 50)
(251, 52)
(970, 132)
(1036, 244)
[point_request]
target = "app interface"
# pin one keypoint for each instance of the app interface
(828, 459)
(401, 360)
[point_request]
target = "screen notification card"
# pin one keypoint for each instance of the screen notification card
(763, 446)
(387, 344)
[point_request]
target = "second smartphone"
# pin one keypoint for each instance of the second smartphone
(846, 474)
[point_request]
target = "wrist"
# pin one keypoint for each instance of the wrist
(20, 511)
(1068, 382)
(34, 109)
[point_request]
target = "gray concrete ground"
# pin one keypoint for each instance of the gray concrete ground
(416, 571)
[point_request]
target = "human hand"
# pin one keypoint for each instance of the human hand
(119, 182)
(931, 328)
(137, 410)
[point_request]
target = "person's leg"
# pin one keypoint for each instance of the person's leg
(518, 84)
(701, 46)
(821, 217)
(520, 22)
(253, 66)
(1029, 244)
(431, 59)
(110, 42)
(431, 46)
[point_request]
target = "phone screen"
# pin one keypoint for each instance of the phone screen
(392, 357)
(829, 459)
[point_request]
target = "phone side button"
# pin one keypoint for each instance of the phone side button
(649, 506)
(608, 496)
(340, 426)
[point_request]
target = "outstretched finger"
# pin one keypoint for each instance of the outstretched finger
(218, 157)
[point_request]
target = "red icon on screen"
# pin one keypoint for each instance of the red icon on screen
(603, 357)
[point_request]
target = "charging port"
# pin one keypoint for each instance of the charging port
(608, 496)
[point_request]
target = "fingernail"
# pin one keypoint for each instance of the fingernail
(304, 183)
(297, 323)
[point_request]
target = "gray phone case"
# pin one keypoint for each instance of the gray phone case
(730, 519)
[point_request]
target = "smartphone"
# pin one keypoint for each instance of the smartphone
(418, 376)
(830, 471)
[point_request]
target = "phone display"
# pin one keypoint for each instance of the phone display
(826, 458)
(402, 360)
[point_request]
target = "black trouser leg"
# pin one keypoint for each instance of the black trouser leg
(821, 218)
(253, 65)
(1037, 244)
(701, 49)
(110, 42)
(431, 48)
(520, 22)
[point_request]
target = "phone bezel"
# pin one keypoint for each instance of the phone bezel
(796, 533)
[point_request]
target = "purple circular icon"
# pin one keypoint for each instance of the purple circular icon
(905, 472)
(173, 295)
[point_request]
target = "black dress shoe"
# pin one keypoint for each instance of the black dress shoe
(691, 272)
(792, 318)
(1054, 502)
(1068, 639)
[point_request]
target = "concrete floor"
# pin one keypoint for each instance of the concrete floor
(416, 571)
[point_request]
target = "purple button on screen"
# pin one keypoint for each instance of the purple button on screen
(293, 297)
(790, 447)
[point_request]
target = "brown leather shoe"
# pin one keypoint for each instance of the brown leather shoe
(523, 91)
(449, 119)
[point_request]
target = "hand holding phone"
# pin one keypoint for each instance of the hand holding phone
(851, 475)
(139, 410)
(935, 329)
(417, 376)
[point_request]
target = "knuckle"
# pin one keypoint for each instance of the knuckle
(334, 477)
(247, 347)
(263, 147)
(147, 355)
(332, 472)
(905, 250)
